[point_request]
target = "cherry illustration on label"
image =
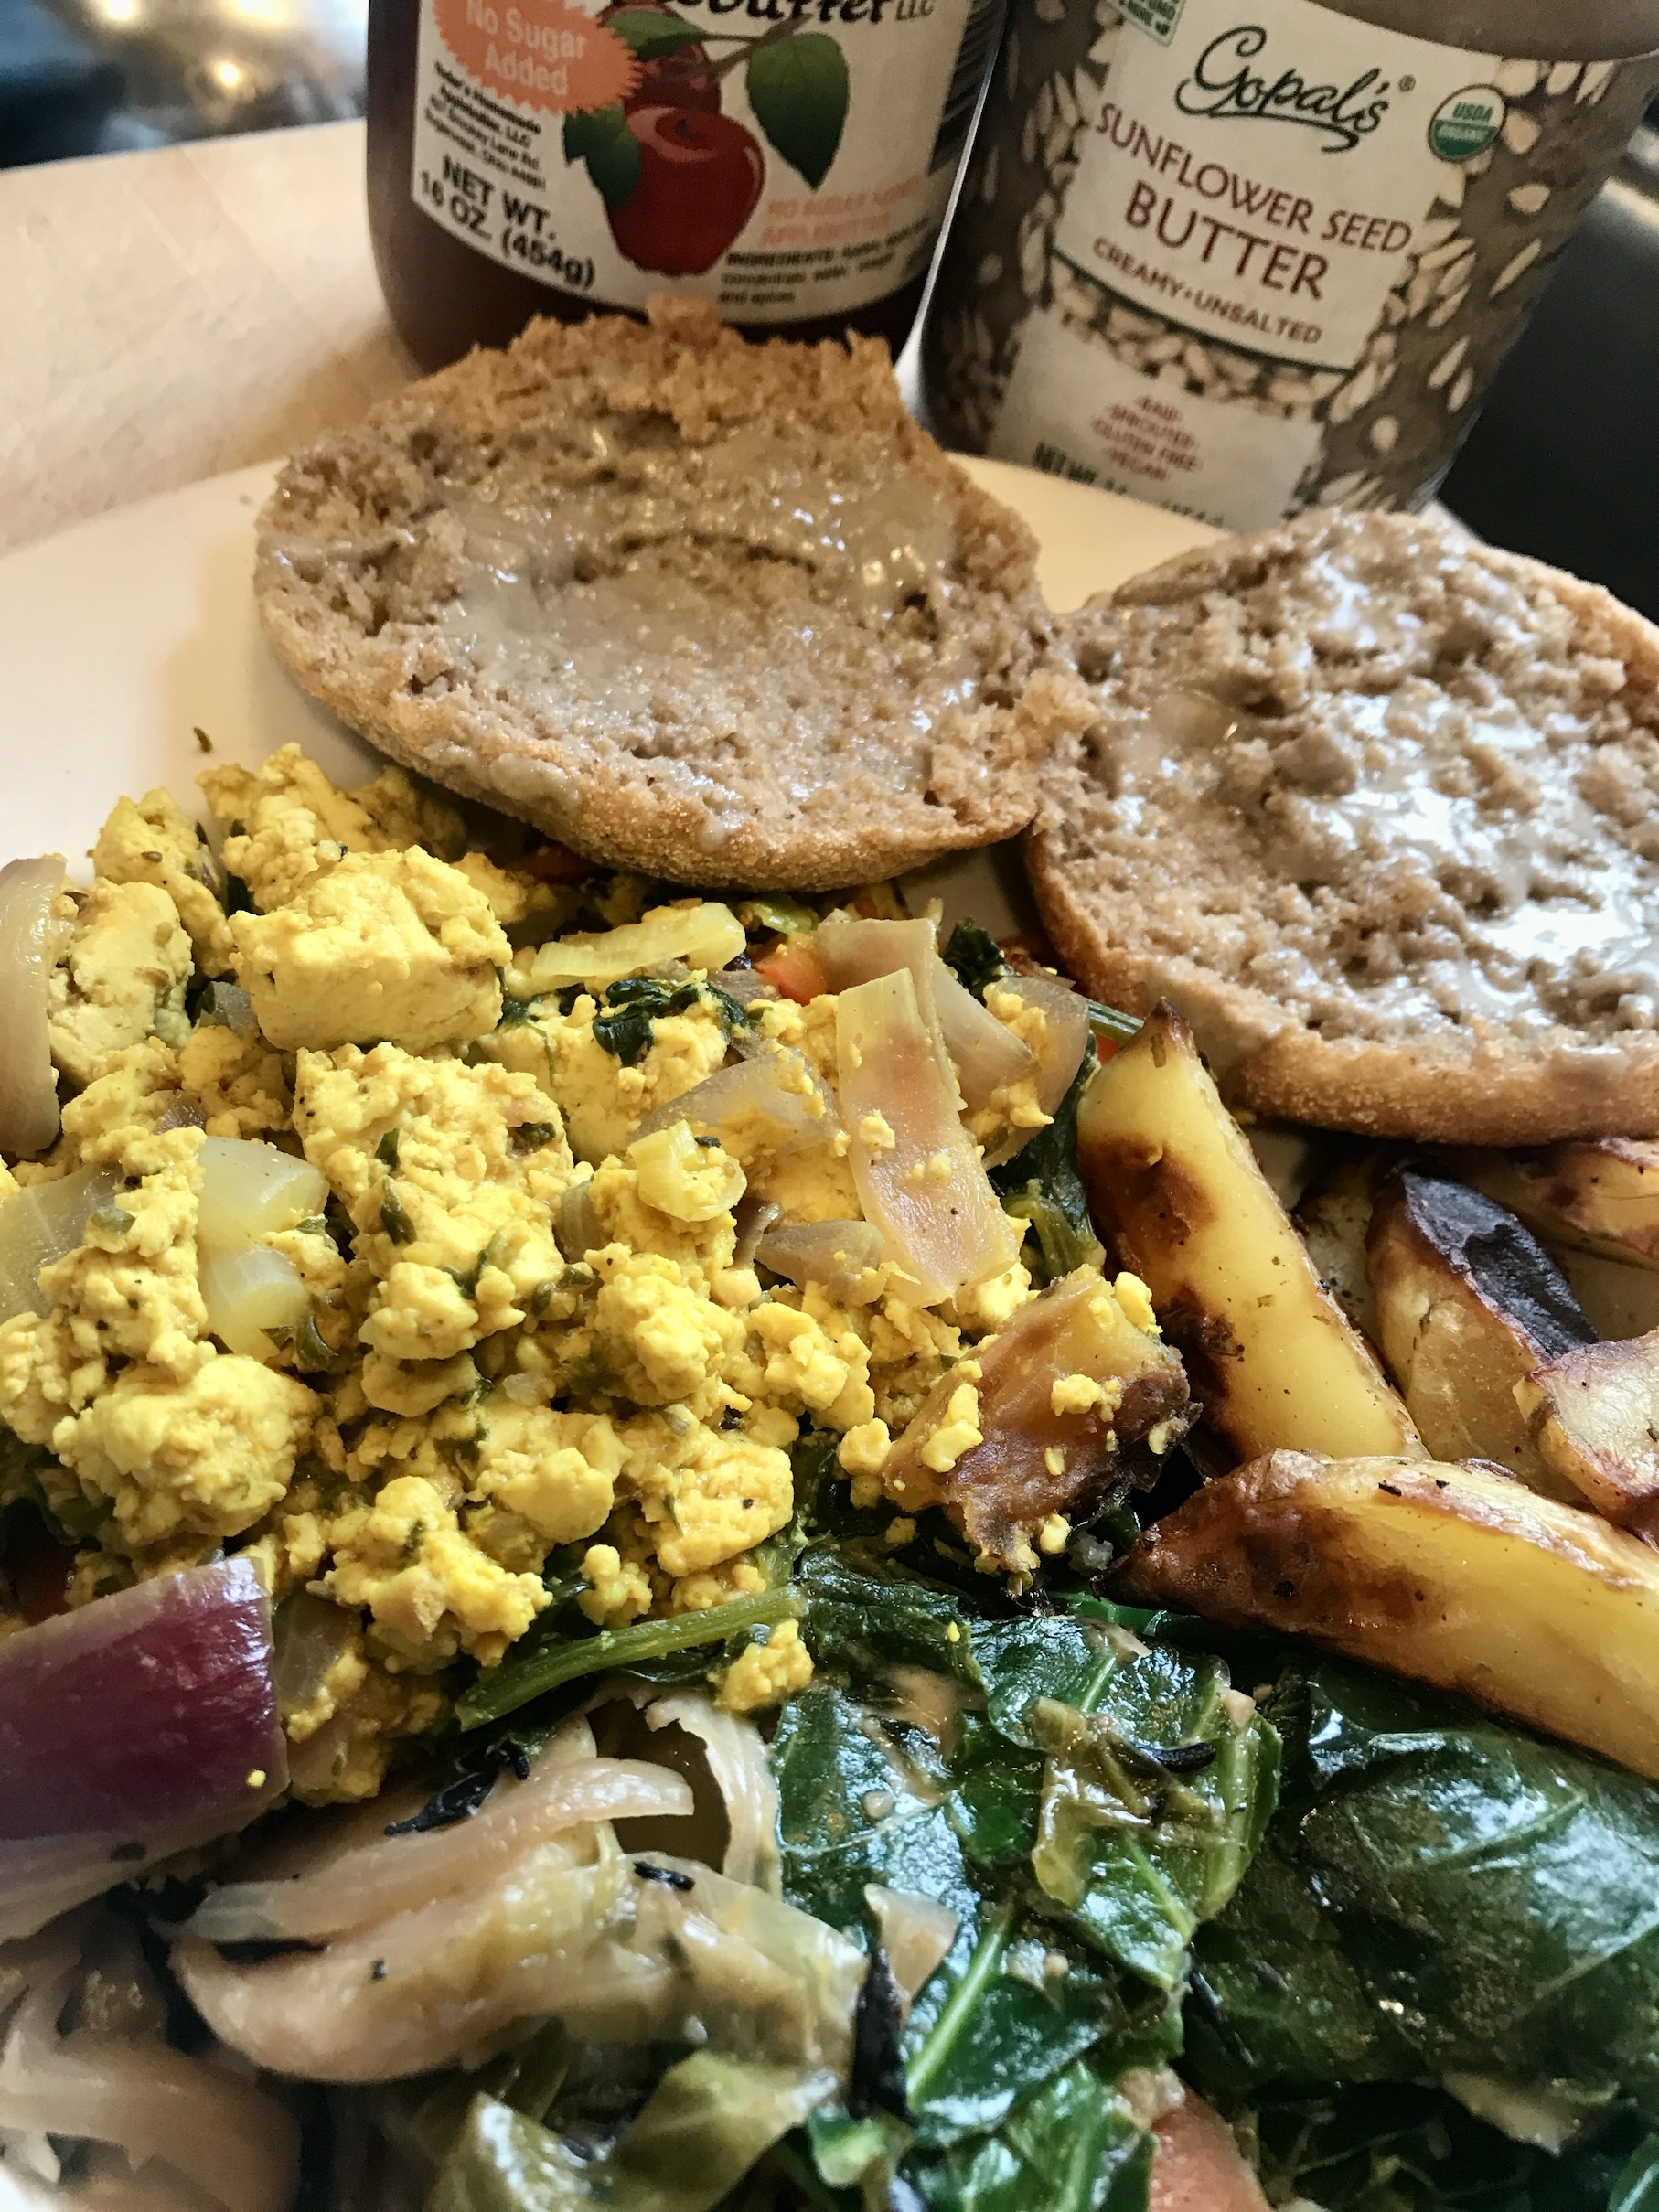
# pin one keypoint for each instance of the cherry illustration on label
(679, 177)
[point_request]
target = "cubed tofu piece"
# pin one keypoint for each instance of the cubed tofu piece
(153, 840)
(122, 982)
(391, 947)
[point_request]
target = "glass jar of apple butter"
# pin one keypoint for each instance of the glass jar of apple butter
(789, 160)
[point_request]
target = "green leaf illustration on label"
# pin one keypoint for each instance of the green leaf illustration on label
(797, 89)
(652, 32)
(601, 138)
(586, 129)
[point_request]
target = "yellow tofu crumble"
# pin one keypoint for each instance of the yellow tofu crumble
(522, 1343)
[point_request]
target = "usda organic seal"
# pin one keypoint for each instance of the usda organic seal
(1467, 123)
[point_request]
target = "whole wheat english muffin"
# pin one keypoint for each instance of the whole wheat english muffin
(1377, 807)
(718, 611)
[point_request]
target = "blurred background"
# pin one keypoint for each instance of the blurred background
(1563, 462)
(81, 77)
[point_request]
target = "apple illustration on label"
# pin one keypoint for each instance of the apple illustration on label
(681, 78)
(699, 178)
(678, 176)
(678, 80)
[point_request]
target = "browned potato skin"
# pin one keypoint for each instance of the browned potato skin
(1175, 1190)
(1453, 1344)
(1004, 1486)
(1596, 1195)
(1452, 1577)
(1593, 1417)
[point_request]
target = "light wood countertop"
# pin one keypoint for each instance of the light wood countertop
(170, 314)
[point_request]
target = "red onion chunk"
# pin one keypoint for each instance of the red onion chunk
(135, 1728)
(834, 1253)
(743, 985)
(1063, 1043)
(776, 1099)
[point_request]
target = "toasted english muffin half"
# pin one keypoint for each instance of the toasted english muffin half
(717, 611)
(1377, 807)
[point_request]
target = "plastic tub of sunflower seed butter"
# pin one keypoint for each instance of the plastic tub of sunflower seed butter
(1241, 257)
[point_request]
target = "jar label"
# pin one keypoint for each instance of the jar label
(1262, 178)
(784, 158)
(1253, 254)
(1199, 455)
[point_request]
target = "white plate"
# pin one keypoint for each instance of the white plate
(121, 638)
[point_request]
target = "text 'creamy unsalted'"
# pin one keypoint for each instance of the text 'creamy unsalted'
(789, 160)
(1241, 256)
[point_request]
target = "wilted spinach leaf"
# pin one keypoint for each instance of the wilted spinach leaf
(1040, 1185)
(675, 1650)
(1153, 1802)
(1394, 2148)
(915, 1762)
(1072, 2146)
(864, 1621)
(1441, 1897)
(975, 958)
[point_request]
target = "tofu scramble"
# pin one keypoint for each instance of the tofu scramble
(377, 1256)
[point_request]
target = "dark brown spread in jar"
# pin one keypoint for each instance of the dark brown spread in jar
(789, 160)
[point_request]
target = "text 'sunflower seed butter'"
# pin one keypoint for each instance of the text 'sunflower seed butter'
(790, 160)
(1242, 256)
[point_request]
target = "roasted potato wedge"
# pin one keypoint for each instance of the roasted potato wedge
(1458, 1578)
(1600, 1196)
(1334, 1216)
(1176, 1191)
(1289, 1156)
(1618, 1300)
(1619, 1296)
(1593, 1417)
(1467, 1301)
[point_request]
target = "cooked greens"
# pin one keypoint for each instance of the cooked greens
(915, 1762)
(539, 1666)
(707, 2122)
(1440, 1899)
(1040, 1185)
(1394, 2148)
